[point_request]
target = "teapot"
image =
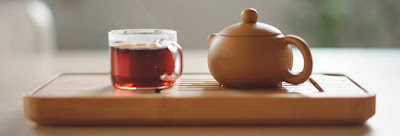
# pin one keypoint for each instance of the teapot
(251, 54)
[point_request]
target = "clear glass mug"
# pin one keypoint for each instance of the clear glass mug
(144, 58)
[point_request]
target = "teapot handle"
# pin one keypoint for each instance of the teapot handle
(308, 62)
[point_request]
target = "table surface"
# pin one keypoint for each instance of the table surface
(375, 69)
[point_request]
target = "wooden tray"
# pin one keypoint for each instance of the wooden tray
(89, 98)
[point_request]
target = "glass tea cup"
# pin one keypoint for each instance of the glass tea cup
(144, 58)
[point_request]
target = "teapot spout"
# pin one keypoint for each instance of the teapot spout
(211, 37)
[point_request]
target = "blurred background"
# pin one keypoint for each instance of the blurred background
(37, 25)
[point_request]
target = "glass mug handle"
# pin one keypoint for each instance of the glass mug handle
(176, 51)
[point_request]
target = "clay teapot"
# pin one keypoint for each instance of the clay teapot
(255, 55)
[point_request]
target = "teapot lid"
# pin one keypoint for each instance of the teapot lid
(250, 26)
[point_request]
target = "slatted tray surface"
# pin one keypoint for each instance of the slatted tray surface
(196, 98)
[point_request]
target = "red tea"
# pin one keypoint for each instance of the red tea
(136, 66)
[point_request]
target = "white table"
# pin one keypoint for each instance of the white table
(375, 69)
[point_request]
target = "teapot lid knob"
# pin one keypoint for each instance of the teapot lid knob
(249, 15)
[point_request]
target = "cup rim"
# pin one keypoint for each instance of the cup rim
(141, 31)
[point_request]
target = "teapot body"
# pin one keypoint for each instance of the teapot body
(249, 61)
